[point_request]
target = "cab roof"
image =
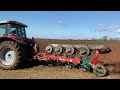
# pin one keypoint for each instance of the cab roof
(12, 22)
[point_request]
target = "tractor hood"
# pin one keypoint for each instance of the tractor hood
(29, 40)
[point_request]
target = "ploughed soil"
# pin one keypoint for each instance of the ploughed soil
(39, 70)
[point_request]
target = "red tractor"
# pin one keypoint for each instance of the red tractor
(15, 48)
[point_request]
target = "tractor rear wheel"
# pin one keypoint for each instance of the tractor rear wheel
(11, 55)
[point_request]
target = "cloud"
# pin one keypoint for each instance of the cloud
(60, 22)
(118, 30)
(108, 28)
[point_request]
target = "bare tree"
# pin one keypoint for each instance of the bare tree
(105, 38)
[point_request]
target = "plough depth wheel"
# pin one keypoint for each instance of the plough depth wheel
(100, 70)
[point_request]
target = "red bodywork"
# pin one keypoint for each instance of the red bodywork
(43, 56)
(26, 40)
(95, 59)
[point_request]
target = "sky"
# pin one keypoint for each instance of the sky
(67, 24)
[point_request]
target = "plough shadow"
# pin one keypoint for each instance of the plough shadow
(112, 68)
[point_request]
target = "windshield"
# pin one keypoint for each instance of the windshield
(12, 30)
(2, 30)
(17, 30)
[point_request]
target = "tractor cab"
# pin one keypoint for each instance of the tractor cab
(12, 28)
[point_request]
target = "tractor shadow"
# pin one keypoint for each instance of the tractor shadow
(33, 63)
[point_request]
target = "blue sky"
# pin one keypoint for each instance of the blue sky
(67, 24)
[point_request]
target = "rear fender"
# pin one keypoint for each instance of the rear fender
(10, 39)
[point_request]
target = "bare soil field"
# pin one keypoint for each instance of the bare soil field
(36, 70)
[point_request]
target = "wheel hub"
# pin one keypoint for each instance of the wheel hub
(7, 56)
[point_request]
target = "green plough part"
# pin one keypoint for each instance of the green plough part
(86, 64)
